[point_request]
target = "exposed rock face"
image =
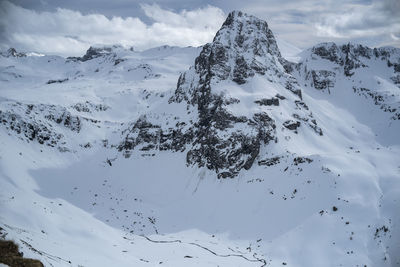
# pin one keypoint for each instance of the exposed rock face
(227, 153)
(345, 55)
(94, 52)
(11, 256)
(90, 107)
(57, 81)
(144, 136)
(243, 47)
(268, 101)
(107, 52)
(291, 125)
(218, 139)
(346, 60)
(353, 56)
(323, 79)
(38, 122)
(382, 100)
(245, 41)
(11, 52)
(31, 130)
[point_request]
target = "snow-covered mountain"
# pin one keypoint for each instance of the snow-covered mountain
(222, 155)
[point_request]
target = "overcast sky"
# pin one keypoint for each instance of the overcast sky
(69, 27)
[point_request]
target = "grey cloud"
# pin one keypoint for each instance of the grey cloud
(307, 22)
(69, 32)
(374, 19)
(391, 7)
(300, 22)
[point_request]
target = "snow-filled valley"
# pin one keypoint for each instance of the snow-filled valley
(228, 154)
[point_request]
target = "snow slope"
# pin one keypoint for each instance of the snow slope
(222, 155)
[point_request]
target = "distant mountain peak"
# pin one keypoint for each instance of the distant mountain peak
(101, 50)
(12, 52)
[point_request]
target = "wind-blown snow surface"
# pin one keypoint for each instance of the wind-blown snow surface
(69, 196)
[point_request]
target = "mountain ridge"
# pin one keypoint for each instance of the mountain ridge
(122, 150)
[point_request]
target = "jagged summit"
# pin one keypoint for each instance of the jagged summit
(230, 131)
(243, 47)
(12, 52)
(97, 51)
(247, 33)
(100, 50)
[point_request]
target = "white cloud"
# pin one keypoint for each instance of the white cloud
(307, 22)
(67, 32)
(206, 18)
(300, 22)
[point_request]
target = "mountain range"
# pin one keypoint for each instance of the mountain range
(228, 154)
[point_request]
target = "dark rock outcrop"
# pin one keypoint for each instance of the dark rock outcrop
(57, 81)
(144, 136)
(345, 60)
(89, 107)
(10, 255)
(11, 52)
(353, 56)
(41, 132)
(268, 101)
(323, 79)
(39, 122)
(291, 125)
(94, 52)
(106, 52)
(380, 99)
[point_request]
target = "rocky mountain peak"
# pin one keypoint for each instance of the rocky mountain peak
(12, 52)
(243, 47)
(96, 51)
(248, 34)
(223, 137)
